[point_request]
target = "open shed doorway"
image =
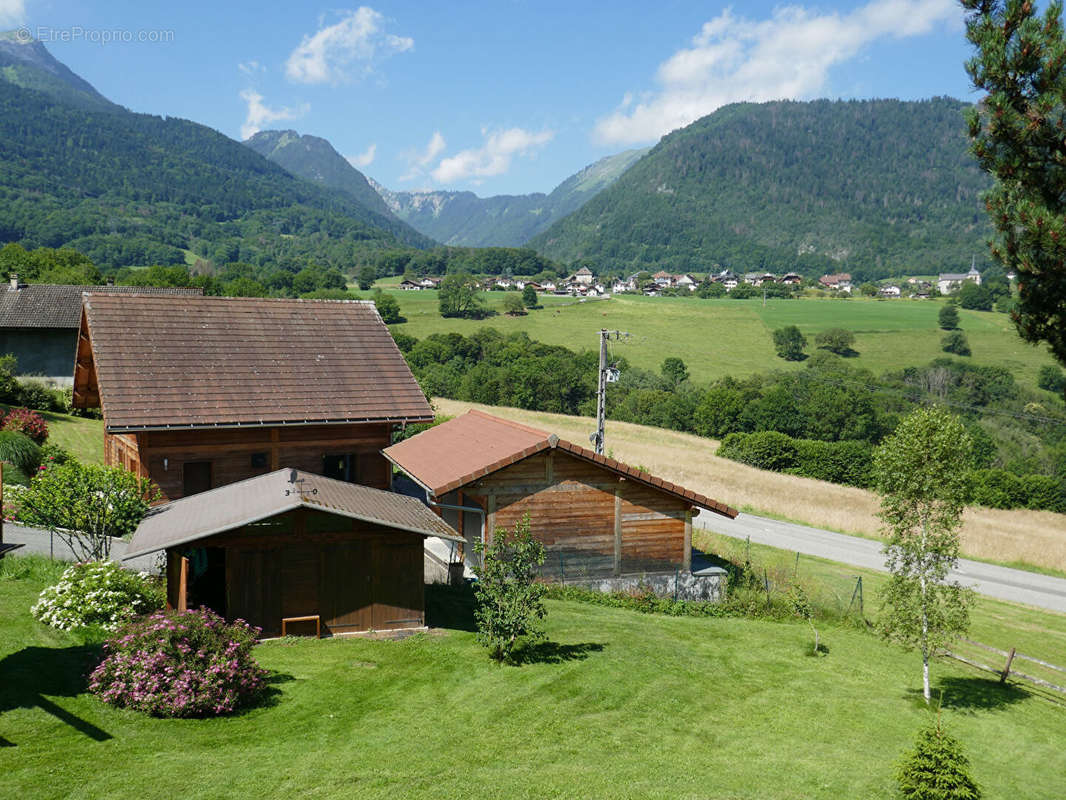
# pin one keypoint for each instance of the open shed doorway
(207, 578)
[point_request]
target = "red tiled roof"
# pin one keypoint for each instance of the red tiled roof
(192, 362)
(462, 450)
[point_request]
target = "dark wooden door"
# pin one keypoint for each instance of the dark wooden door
(346, 587)
(196, 477)
(300, 580)
(397, 583)
(252, 590)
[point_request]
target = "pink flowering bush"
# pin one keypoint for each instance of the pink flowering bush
(26, 422)
(192, 664)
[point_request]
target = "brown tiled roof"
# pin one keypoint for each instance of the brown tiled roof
(193, 362)
(43, 305)
(237, 504)
(462, 450)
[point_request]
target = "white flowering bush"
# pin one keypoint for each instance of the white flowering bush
(97, 593)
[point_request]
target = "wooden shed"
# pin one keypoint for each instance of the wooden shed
(199, 392)
(296, 552)
(595, 515)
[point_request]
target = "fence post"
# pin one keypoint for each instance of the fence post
(1006, 669)
(796, 569)
(766, 583)
(862, 612)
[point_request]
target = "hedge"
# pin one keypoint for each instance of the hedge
(846, 462)
(997, 488)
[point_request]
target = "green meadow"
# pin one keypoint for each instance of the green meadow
(733, 337)
(616, 704)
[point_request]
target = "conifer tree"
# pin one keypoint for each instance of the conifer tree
(1017, 136)
(936, 769)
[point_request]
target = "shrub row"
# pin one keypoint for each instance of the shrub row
(851, 463)
(997, 488)
(847, 462)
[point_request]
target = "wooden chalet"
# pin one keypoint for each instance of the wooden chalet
(293, 552)
(200, 392)
(595, 515)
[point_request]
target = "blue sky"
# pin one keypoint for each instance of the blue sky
(498, 97)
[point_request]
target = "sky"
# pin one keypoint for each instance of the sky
(495, 97)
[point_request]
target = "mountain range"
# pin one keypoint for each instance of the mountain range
(463, 218)
(874, 187)
(133, 189)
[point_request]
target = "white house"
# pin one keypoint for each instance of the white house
(583, 276)
(889, 291)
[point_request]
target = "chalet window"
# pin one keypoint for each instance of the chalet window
(259, 460)
(196, 477)
(342, 467)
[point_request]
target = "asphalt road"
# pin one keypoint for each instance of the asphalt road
(41, 542)
(1002, 583)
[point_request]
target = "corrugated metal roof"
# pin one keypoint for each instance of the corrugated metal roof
(225, 361)
(43, 305)
(226, 508)
(462, 450)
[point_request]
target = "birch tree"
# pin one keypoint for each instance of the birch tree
(922, 473)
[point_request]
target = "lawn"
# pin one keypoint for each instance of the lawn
(732, 337)
(620, 704)
(81, 436)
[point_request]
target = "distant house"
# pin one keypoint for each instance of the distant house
(411, 286)
(536, 286)
(430, 282)
(889, 291)
(583, 276)
(949, 282)
(201, 392)
(295, 552)
(548, 286)
(595, 515)
(620, 286)
(39, 324)
(759, 278)
(686, 281)
(840, 282)
(791, 279)
(664, 280)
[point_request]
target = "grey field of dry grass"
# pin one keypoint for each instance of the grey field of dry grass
(1032, 537)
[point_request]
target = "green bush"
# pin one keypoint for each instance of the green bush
(19, 451)
(846, 462)
(997, 488)
(837, 462)
(956, 343)
(1051, 378)
(763, 450)
(35, 395)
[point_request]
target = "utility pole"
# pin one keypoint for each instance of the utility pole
(607, 375)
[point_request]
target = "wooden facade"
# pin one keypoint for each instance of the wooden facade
(353, 575)
(184, 462)
(591, 520)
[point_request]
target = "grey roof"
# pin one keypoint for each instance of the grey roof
(955, 276)
(45, 305)
(237, 504)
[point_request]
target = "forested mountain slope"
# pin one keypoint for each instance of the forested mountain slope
(132, 189)
(463, 218)
(874, 187)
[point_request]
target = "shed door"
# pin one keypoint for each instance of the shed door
(397, 583)
(346, 587)
(300, 581)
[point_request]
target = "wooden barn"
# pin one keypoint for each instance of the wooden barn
(200, 392)
(295, 552)
(595, 515)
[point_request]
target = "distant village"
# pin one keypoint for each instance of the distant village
(584, 283)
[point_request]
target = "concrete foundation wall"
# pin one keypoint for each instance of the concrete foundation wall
(708, 585)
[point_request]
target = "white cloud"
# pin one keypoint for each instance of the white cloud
(418, 160)
(251, 68)
(364, 159)
(493, 157)
(326, 56)
(12, 12)
(260, 114)
(786, 56)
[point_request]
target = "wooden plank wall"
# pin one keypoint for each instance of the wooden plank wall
(589, 519)
(355, 575)
(160, 455)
